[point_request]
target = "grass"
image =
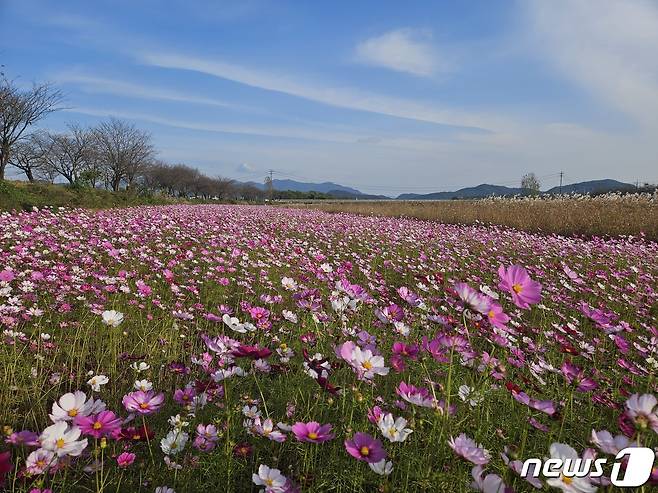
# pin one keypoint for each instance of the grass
(17, 195)
(564, 217)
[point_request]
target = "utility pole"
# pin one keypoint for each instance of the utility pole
(269, 184)
(561, 175)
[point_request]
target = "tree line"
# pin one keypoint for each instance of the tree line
(113, 154)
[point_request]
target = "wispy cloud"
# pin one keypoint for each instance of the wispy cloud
(255, 130)
(121, 88)
(608, 47)
(402, 50)
(339, 97)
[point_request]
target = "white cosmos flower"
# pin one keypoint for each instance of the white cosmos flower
(289, 283)
(368, 364)
(467, 394)
(290, 316)
(143, 385)
(394, 429)
(62, 439)
(251, 412)
(271, 479)
(568, 484)
(96, 381)
(174, 442)
(140, 367)
(382, 467)
(489, 292)
(71, 405)
(234, 324)
(164, 489)
(327, 268)
(112, 318)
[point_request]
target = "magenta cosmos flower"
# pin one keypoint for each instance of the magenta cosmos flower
(312, 432)
(143, 402)
(125, 459)
(103, 424)
(364, 447)
(516, 281)
(253, 352)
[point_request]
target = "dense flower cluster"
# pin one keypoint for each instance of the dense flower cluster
(220, 348)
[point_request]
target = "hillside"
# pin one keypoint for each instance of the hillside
(479, 191)
(594, 186)
(299, 186)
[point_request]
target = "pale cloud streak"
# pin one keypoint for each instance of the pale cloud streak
(339, 97)
(116, 87)
(608, 47)
(402, 50)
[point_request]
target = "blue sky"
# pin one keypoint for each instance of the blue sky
(388, 97)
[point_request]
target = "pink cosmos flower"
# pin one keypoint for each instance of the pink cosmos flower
(472, 299)
(490, 483)
(125, 459)
(516, 281)
(143, 402)
(209, 432)
(469, 450)
(415, 395)
(26, 437)
(103, 424)
(185, 396)
(365, 447)
(312, 432)
(576, 376)
(496, 316)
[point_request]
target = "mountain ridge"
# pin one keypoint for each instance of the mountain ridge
(482, 190)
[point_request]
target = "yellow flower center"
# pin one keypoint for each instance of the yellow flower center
(269, 482)
(517, 288)
(365, 451)
(367, 365)
(41, 463)
(143, 405)
(642, 421)
(491, 314)
(313, 435)
(73, 413)
(98, 425)
(566, 480)
(60, 443)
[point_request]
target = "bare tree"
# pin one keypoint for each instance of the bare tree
(69, 154)
(27, 156)
(124, 151)
(530, 182)
(18, 110)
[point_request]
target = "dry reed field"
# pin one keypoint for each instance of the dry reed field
(602, 216)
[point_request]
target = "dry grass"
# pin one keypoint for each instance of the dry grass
(565, 217)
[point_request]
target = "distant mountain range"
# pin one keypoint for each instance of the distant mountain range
(477, 192)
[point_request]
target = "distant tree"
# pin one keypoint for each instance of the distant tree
(27, 156)
(69, 154)
(531, 182)
(19, 109)
(123, 150)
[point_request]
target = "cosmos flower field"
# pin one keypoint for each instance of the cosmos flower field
(249, 348)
